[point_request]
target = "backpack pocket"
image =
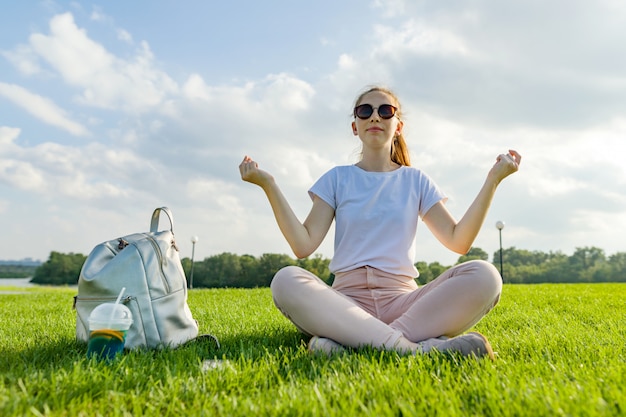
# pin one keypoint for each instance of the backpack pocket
(136, 335)
(174, 320)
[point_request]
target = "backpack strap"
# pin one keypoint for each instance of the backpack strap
(209, 337)
(203, 338)
(154, 223)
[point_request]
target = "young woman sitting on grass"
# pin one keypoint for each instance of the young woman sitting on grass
(374, 300)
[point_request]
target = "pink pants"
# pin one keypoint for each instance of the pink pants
(370, 307)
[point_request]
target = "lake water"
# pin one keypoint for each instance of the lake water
(16, 282)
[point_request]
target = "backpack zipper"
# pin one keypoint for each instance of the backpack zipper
(157, 249)
(124, 300)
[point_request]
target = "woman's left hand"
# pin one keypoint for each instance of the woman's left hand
(506, 164)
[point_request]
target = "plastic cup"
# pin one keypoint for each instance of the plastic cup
(108, 324)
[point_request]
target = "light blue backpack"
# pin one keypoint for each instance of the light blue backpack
(148, 266)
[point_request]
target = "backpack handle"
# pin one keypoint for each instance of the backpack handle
(154, 223)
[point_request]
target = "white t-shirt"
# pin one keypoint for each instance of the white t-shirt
(376, 216)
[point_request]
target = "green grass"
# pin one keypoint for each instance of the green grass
(561, 351)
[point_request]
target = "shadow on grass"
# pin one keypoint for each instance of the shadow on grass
(253, 345)
(283, 351)
(49, 353)
(64, 351)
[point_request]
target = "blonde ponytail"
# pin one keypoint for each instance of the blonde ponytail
(400, 151)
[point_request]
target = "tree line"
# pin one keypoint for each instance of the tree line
(16, 271)
(519, 266)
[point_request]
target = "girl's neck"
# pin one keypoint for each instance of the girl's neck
(377, 163)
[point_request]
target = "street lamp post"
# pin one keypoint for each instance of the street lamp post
(500, 226)
(194, 240)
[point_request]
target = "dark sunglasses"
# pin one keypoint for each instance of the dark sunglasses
(385, 111)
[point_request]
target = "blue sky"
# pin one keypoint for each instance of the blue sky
(110, 109)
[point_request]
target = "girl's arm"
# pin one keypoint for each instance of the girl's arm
(459, 236)
(303, 238)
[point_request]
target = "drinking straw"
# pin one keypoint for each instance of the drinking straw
(119, 297)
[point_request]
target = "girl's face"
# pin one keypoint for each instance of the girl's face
(376, 131)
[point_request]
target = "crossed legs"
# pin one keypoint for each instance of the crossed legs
(318, 310)
(449, 306)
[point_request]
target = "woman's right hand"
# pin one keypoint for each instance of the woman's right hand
(250, 172)
(304, 238)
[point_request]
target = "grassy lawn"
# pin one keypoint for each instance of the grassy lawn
(561, 351)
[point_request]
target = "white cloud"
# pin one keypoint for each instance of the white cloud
(299, 168)
(346, 62)
(42, 108)
(326, 42)
(217, 194)
(98, 15)
(68, 50)
(248, 112)
(7, 136)
(22, 175)
(416, 37)
(24, 59)
(277, 91)
(106, 81)
(124, 36)
(390, 8)
(288, 93)
(90, 173)
(196, 88)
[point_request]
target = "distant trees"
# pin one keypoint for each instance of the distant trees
(429, 271)
(586, 264)
(16, 271)
(520, 266)
(59, 269)
(474, 253)
(247, 271)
